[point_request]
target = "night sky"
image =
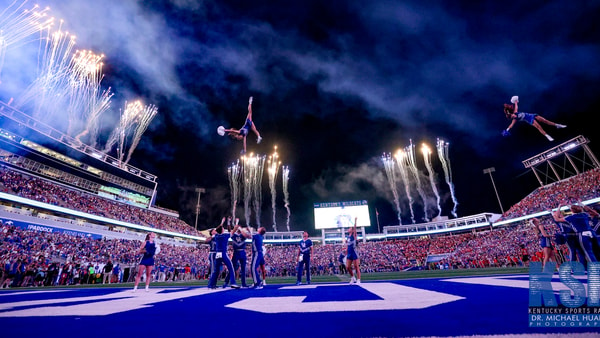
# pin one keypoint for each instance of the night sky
(335, 85)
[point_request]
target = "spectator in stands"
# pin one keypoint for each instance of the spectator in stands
(147, 249)
(108, 269)
(304, 253)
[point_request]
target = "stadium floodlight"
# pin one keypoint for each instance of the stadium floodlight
(199, 191)
(490, 171)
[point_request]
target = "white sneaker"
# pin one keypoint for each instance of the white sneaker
(352, 280)
(358, 281)
(264, 282)
(559, 126)
(549, 138)
(258, 140)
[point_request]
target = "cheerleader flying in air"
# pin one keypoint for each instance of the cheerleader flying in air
(240, 134)
(512, 113)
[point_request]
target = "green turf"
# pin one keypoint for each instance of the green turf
(378, 276)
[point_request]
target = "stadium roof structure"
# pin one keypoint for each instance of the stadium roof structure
(565, 160)
(58, 136)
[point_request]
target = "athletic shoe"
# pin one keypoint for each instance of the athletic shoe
(298, 283)
(225, 286)
(549, 138)
(352, 280)
(559, 126)
(235, 286)
(263, 283)
(258, 140)
(358, 281)
(147, 289)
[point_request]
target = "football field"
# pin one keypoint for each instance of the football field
(493, 305)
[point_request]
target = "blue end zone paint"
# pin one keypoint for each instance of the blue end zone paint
(485, 310)
(345, 293)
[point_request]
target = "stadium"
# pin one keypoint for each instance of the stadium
(67, 212)
(72, 215)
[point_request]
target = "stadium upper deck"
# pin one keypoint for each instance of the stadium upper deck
(35, 147)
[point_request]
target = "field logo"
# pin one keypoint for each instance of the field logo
(575, 307)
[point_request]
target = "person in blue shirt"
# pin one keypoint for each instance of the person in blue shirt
(238, 240)
(512, 113)
(221, 238)
(147, 249)
(545, 242)
(352, 259)
(580, 221)
(242, 133)
(568, 236)
(342, 262)
(304, 252)
(258, 258)
(212, 251)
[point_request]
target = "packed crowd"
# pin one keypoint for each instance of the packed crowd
(16, 183)
(585, 186)
(32, 258)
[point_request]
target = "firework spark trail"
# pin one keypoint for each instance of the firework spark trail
(427, 158)
(390, 171)
(412, 165)
(101, 104)
(442, 149)
(253, 171)
(118, 135)
(260, 166)
(87, 100)
(234, 173)
(19, 24)
(273, 168)
(247, 174)
(50, 90)
(402, 165)
(285, 175)
(143, 120)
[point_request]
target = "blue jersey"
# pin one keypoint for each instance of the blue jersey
(545, 242)
(526, 117)
(221, 242)
(213, 245)
(351, 254)
(305, 246)
(148, 258)
(246, 128)
(580, 221)
(257, 244)
(238, 242)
